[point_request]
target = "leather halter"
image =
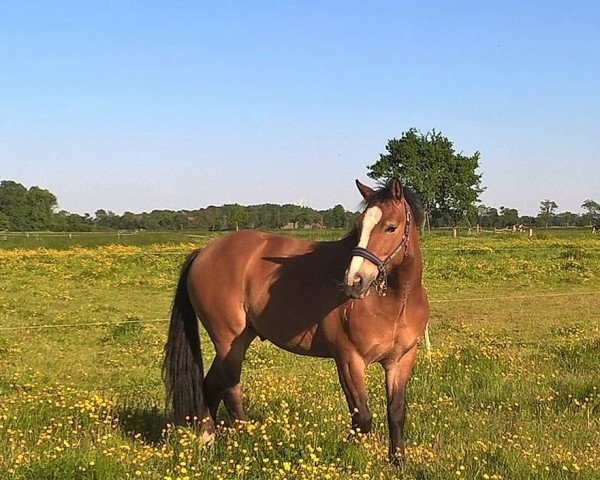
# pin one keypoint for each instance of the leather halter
(381, 281)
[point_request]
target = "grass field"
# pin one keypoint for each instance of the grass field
(511, 389)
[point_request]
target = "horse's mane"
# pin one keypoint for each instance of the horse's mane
(415, 204)
(384, 194)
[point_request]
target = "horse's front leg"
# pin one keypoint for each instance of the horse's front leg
(397, 373)
(351, 370)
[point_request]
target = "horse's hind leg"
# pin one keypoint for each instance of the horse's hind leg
(222, 381)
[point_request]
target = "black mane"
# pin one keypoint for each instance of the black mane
(384, 194)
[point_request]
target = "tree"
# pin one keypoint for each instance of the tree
(212, 216)
(26, 209)
(251, 217)
(40, 206)
(592, 213)
(486, 216)
(106, 219)
(13, 204)
(568, 219)
(445, 181)
(130, 221)
(236, 215)
(508, 217)
(4, 221)
(335, 217)
(547, 208)
(64, 221)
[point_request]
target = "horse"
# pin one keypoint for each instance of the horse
(358, 301)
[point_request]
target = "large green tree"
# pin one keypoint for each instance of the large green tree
(40, 208)
(13, 204)
(446, 181)
(22, 209)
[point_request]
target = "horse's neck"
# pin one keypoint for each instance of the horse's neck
(408, 272)
(347, 243)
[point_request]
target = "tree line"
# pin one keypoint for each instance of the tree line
(489, 217)
(446, 181)
(228, 217)
(33, 209)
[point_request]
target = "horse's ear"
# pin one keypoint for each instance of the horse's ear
(396, 189)
(365, 191)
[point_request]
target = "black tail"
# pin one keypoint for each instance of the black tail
(183, 372)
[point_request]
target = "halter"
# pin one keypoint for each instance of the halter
(381, 281)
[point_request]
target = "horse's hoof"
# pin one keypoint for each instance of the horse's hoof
(397, 458)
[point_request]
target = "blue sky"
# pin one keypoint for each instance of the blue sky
(143, 105)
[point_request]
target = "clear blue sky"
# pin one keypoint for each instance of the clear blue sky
(142, 105)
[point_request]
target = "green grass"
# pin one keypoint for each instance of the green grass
(65, 240)
(510, 390)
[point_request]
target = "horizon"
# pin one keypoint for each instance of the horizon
(185, 105)
(301, 204)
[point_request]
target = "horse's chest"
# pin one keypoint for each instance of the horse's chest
(380, 334)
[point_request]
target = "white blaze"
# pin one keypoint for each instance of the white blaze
(370, 220)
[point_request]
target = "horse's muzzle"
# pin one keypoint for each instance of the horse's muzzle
(359, 288)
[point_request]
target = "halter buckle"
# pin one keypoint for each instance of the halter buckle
(380, 284)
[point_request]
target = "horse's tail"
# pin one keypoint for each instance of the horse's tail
(183, 372)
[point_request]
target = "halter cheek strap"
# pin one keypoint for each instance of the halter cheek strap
(381, 280)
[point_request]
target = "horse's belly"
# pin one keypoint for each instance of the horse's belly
(291, 314)
(301, 348)
(293, 336)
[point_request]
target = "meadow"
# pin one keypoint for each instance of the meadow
(509, 390)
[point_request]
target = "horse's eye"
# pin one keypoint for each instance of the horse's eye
(390, 228)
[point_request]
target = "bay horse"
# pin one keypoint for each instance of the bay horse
(358, 300)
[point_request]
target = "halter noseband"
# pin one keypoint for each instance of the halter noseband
(381, 281)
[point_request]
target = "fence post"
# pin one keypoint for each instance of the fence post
(454, 232)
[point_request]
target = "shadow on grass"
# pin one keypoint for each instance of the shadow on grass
(146, 423)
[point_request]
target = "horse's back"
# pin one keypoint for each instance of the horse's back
(236, 269)
(238, 250)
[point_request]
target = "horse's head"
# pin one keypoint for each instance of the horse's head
(383, 231)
